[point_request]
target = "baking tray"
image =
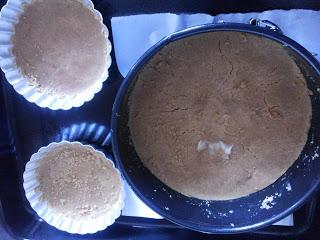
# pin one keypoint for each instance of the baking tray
(25, 127)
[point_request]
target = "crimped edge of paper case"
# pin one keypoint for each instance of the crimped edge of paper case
(9, 16)
(30, 183)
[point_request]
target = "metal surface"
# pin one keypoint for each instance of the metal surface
(265, 24)
(238, 215)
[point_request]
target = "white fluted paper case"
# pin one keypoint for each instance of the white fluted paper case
(9, 16)
(58, 220)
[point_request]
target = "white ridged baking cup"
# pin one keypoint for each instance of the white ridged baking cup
(9, 16)
(48, 214)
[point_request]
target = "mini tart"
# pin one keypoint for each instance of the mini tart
(55, 53)
(74, 187)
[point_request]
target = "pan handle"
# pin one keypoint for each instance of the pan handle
(265, 24)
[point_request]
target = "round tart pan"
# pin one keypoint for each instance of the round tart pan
(254, 211)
